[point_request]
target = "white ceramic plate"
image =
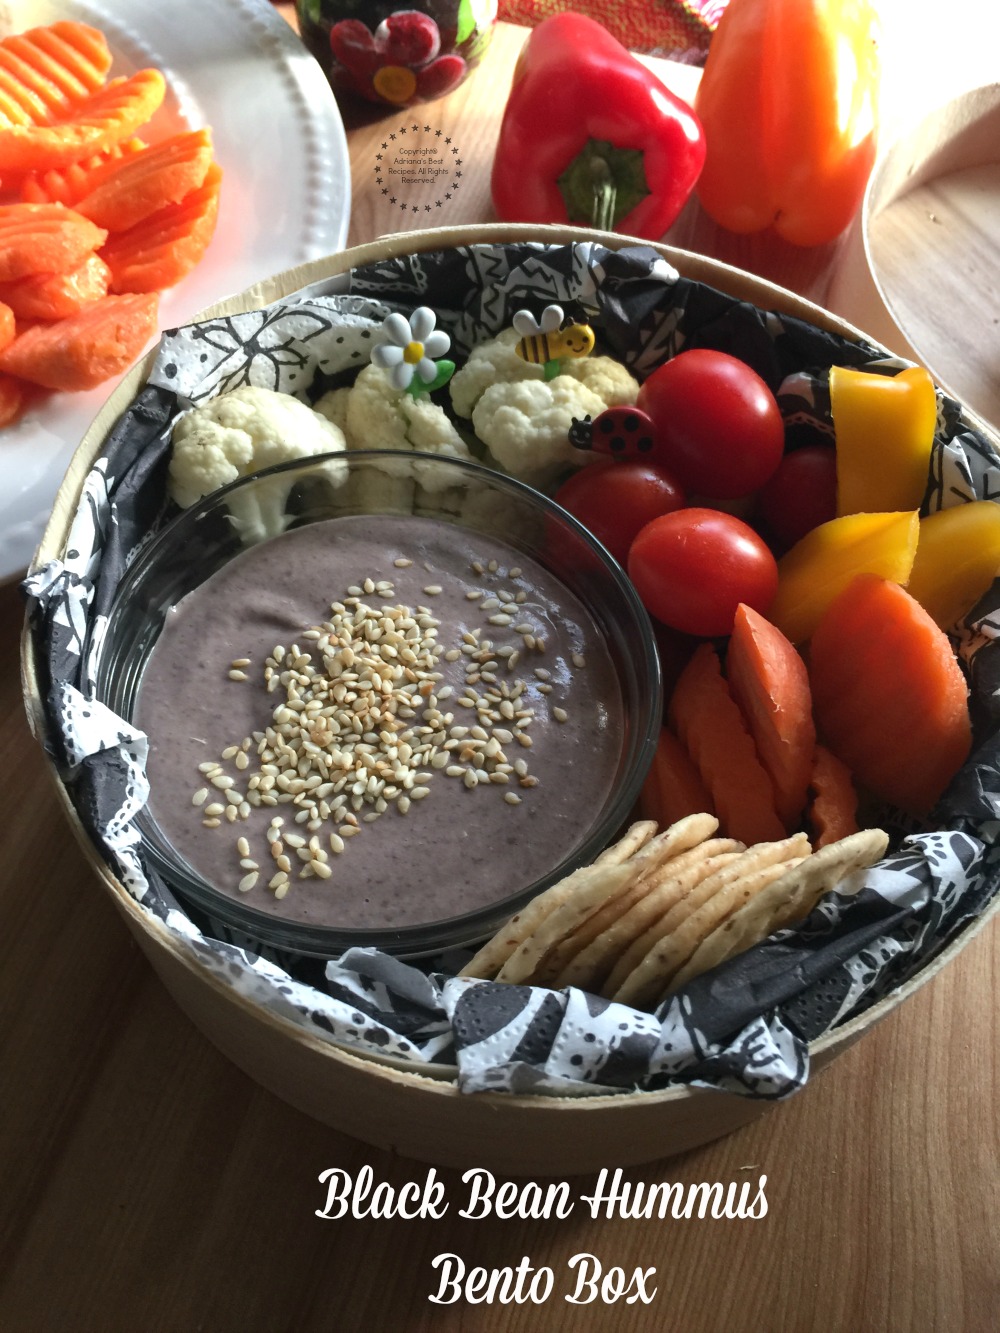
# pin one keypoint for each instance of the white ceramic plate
(235, 65)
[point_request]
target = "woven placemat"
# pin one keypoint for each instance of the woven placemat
(678, 29)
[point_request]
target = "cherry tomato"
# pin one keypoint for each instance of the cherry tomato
(718, 424)
(614, 500)
(799, 496)
(692, 569)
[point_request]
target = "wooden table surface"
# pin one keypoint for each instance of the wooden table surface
(145, 1183)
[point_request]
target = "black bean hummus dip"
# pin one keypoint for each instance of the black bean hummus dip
(376, 722)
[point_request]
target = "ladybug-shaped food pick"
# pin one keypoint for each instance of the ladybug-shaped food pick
(545, 343)
(622, 432)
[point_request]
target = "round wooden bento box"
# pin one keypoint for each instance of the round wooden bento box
(423, 1115)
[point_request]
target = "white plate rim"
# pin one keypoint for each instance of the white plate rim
(295, 106)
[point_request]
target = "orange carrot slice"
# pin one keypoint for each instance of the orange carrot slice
(769, 681)
(165, 247)
(86, 349)
(45, 70)
(12, 400)
(7, 325)
(702, 713)
(66, 185)
(145, 182)
(92, 126)
(889, 696)
(673, 788)
(44, 238)
(833, 810)
(57, 295)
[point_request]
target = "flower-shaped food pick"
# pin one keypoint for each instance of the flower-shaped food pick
(409, 352)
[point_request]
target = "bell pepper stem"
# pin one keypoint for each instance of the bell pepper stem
(605, 195)
(603, 184)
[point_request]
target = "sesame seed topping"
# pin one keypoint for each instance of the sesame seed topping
(357, 725)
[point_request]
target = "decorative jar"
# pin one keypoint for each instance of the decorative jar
(393, 54)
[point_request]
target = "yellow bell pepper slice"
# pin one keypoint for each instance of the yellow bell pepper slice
(826, 560)
(884, 430)
(958, 557)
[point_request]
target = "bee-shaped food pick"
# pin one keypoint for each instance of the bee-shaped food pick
(545, 343)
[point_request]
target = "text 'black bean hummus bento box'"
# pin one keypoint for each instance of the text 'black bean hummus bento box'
(422, 817)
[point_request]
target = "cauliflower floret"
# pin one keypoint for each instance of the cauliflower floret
(606, 377)
(380, 416)
(377, 415)
(333, 406)
(493, 362)
(526, 425)
(241, 432)
(497, 362)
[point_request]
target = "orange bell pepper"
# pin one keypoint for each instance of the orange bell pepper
(788, 104)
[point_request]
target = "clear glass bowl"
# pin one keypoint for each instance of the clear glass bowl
(203, 539)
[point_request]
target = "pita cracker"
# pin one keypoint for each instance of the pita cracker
(634, 839)
(495, 952)
(664, 850)
(682, 894)
(592, 887)
(674, 938)
(789, 898)
(826, 869)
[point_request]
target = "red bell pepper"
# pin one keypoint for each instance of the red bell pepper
(788, 103)
(589, 135)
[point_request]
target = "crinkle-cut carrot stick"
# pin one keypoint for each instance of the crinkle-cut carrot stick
(44, 238)
(92, 126)
(166, 246)
(769, 681)
(57, 295)
(67, 185)
(45, 70)
(12, 400)
(703, 714)
(7, 324)
(833, 809)
(165, 173)
(85, 349)
(673, 788)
